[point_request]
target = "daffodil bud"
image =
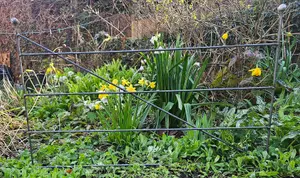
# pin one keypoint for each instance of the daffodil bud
(141, 69)
(284, 69)
(197, 64)
(143, 62)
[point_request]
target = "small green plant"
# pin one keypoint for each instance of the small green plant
(173, 71)
(123, 111)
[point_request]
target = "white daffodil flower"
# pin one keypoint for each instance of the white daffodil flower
(159, 52)
(155, 38)
(70, 73)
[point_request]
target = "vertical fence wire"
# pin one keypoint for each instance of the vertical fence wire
(278, 49)
(24, 96)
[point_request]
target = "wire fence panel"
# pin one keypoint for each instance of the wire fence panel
(123, 91)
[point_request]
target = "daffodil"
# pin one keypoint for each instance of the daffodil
(142, 82)
(115, 81)
(289, 34)
(155, 38)
(113, 87)
(97, 106)
(225, 36)
(102, 96)
(160, 50)
(152, 85)
(52, 69)
(49, 70)
(256, 72)
(130, 88)
(103, 87)
(125, 82)
(141, 69)
(57, 72)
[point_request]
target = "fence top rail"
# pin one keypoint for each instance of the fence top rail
(150, 50)
(152, 91)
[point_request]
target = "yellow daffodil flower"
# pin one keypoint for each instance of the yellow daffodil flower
(112, 87)
(102, 96)
(289, 34)
(49, 70)
(130, 88)
(225, 36)
(125, 82)
(52, 69)
(103, 87)
(152, 85)
(256, 72)
(97, 106)
(142, 82)
(115, 81)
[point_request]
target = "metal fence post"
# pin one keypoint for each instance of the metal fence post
(280, 9)
(16, 23)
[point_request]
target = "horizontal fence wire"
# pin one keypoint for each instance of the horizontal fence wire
(149, 50)
(146, 130)
(153, 91)
(104, 165)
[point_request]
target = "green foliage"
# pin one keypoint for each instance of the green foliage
(173, 71)
(191, 154)
(288, 122)
(123, 112)
(178, 157)
(288, 72)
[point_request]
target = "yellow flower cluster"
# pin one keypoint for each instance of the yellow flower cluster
(125, 83)
(144, 82)
(102, 96)
(103, 88)
(113, 87)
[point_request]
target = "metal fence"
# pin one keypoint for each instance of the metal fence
(124, 92)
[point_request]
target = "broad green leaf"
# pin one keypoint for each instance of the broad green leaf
(179, 101)
(91, 115)
(291, 135)
(188, 113)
